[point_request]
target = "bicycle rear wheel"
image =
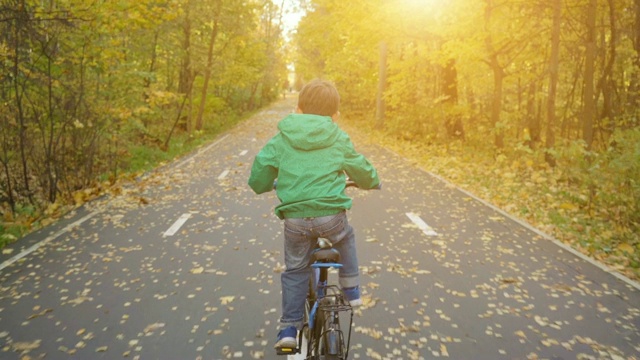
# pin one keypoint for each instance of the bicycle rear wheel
(330, 342)
(308, 305)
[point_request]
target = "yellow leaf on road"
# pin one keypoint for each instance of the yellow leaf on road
(225, 300)
(153, 327)
(197, 270)
(443, 350)
(26, 345)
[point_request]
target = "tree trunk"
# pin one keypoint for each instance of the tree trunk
(152, 66)
(588, 103)
(550, 140)
(207, 71)
(496, 104)
(633, 100)
(22, 126)
(498, 77)
(453, 121)
(382, 81)
(606, 83)
(533, 120)
(185, 80)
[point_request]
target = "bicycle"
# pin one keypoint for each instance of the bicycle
(321, 336)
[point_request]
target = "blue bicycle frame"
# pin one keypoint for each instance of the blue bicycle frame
(320, 285)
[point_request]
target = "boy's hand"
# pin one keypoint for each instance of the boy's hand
(351, 183)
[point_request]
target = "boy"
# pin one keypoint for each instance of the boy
(309, 157)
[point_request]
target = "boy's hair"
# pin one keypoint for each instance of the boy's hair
(319, 97)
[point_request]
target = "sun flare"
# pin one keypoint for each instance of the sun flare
(422, 4)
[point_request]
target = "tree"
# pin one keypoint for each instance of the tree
(633, 89)
(453, 120)
(185, 85)
(207, 71)
(382, 81)
(554, 60)
(588, 102)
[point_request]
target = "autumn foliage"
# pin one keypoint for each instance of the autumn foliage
(91, 90)
(532, 105)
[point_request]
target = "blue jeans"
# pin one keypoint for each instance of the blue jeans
(300, 237)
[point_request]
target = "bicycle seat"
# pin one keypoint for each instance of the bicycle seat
(326, 256)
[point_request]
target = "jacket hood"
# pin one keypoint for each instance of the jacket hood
(309, 132)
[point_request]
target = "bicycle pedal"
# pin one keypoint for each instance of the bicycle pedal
(286, 351)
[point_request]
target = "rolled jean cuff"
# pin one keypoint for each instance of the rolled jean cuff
(349, 281)
(285, 323)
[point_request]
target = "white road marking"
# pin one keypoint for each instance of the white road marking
(244, 152)
(177, 225)
(35, 247)
(421, 224)
(223, 175)
(192, 157)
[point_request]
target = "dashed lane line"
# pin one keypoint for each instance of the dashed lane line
(223, 175)
(177, 225)
(201, 151)
(426, 229)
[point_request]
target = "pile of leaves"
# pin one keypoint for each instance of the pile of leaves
(589, 200)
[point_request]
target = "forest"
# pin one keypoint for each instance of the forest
(93, 91)
(531, 105)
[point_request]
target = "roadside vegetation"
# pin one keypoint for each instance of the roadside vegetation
(583, 205)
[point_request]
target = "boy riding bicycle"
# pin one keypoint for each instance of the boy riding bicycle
(309, 157)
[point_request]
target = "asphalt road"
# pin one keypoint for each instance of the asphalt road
(185, 263)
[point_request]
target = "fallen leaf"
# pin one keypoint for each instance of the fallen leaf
(26, 345)
(443, 350)
(198, 270)
(153, 327)
(225, 300)
(41, 313)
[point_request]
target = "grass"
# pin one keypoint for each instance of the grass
(12, 230)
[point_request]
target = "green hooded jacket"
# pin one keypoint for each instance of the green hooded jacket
(309, 158)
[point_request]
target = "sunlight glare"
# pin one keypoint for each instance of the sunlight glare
(421, 8)
(422, 4)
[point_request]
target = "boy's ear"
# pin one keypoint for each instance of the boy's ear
(335, 116)
(298, 110)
